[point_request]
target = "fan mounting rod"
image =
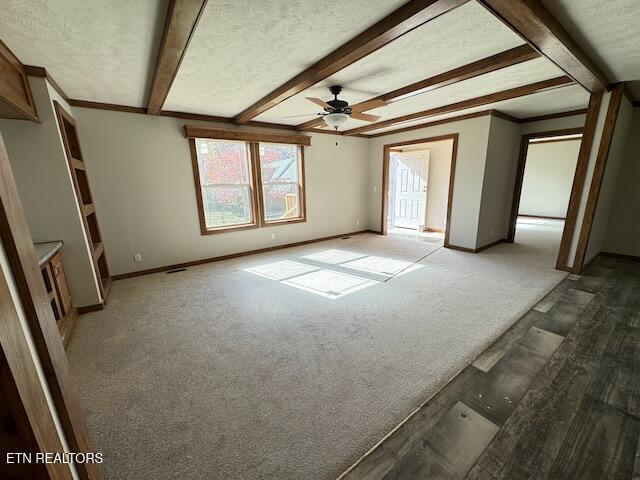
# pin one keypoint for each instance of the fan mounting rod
(335, 90)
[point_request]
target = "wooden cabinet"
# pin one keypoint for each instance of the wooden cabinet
(60, 281)
(16, 100)
(55, 282)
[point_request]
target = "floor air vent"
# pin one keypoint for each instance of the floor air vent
(177, 270)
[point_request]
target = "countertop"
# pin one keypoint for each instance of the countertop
(46, 250)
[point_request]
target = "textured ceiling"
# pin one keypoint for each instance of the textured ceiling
(608, 31)
(102, 51)
(559, 100)
(238, 54)
(105, 50)
(504, 79)
(462, 36)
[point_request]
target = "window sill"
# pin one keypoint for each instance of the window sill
(273, 223)
(234, 228)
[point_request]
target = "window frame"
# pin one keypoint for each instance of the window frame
(256, 191)
(301, 188)
(204, 230)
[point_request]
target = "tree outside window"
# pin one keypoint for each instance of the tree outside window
(225, 179)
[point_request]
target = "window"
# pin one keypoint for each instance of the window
(280, 178)
(226, 197)
(246, 184)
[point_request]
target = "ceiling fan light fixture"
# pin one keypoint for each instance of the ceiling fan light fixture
(336, 120)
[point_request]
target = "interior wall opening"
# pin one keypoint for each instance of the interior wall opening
(417, 186)
(546, 172)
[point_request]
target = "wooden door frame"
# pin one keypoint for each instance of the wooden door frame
(602, 157)
(385, 178)
(18, 246)
(579, 181)
(522, 160)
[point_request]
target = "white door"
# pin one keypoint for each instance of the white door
(410, 189)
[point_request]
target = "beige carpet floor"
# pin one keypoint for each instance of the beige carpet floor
(291, 365)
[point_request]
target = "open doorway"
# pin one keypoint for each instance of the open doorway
(408, 179)
(417, 187)
(546, 171)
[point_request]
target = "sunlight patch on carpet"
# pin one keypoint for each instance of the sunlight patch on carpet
(340, 273)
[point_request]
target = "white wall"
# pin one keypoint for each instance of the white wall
(561, 123)
(623, 229)
(140, 172)
(438, 182)
(471, 154)
(499, 181)
(44, 183)
(548, 178)
(609, 181)
(142, 182)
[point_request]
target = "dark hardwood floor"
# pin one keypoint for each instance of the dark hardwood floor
(556, 397)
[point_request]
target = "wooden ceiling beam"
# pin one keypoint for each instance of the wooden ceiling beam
(533, 22)
(403, 20)
(521, 91)
(504, 59)
(181, 21)
(549, 116)
(444, 121)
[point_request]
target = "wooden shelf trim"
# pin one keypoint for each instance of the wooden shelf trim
(78, 164)
(98, 249)
(88, 209)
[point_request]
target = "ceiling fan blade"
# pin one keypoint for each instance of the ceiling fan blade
(303, 115)
(322, 123)
(371, 104)
(317, 101)
(365, 116)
